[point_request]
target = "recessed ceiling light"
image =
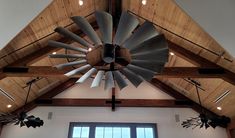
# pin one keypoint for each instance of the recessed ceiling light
(89, 49)
(219, 108)
(9, 106)
(144, 2)
(54, 53)
(171, 53)
(80, 2)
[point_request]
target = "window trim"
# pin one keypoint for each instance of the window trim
(93, 125)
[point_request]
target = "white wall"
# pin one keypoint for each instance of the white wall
(17, 14)
(164, 117)
(59, 125)
(144, 91)
(217, 17)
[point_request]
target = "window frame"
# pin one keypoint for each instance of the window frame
(93, 125)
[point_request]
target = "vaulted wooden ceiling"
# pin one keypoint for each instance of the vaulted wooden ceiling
(29, 48)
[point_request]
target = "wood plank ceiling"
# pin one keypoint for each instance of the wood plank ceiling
(167, 14)
(58, 13)
(164, 13)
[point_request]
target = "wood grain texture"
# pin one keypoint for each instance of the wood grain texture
(171, 17)
(20, 51)
(124, 103)
(162, 12)
(167, 72)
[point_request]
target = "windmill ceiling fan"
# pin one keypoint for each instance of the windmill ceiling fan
(137, 52)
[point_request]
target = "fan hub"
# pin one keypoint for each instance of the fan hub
(108, 53)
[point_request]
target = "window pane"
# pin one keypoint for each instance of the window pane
(117, 132)
(108, 132)
(76, 132)
(85, 132)
(112, 130)
(148, 132)
(99, 132)
(126, 133)
(140, 132)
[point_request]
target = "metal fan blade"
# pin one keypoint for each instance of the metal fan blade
(132, 77)
(146, 62)
(96, 82)
(145, 73)
(72, 36)
(85, 26)
(151, 55)
(109, 82)
(155, 67)
(60, 66)
(143, 33)
(78, 70)
(154, 44)
(66, 46)
(127, 24)
(67, 56)
(86, 75)
(22, 124)
(119, 79)
(105, 22)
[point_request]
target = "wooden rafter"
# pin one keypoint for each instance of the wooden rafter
(198, 60)
(43, 52)
(172, 72)
(169, 72)
(181, 100)
(124, 103)
(48, 95)
(177, 95)
(1, 125)
(232, 125)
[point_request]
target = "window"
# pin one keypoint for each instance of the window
(112, 130)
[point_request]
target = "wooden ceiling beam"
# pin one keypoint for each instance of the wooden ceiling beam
(51, 93)
(43, 52)
(202, 62)
(232, 124)
(177, 95)
(1, 126)
(124, 103)
(169, 72)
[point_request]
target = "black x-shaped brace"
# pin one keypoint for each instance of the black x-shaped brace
(113, 102)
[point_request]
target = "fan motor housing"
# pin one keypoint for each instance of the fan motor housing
(109, 53)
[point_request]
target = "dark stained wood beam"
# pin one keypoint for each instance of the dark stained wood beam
(116, 10)
(1, 126)
(124, 103)
(177, 95)
(169, 72)
(230, 128)
(43, 52)
(113, 100)
(48, 95)
(202, 62)
(232, 124)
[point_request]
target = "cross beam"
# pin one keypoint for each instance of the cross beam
(163, 103)
(177, 95)
(48, 95)
(113, 102)
(43, 52)
(198, 60)
(169, 72)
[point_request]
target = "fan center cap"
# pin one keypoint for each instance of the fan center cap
(108, 53)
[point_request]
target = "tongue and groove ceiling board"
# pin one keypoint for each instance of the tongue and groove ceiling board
(169, 15)
(56, 14)
(162, 12)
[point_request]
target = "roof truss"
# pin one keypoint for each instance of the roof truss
(171, 72)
